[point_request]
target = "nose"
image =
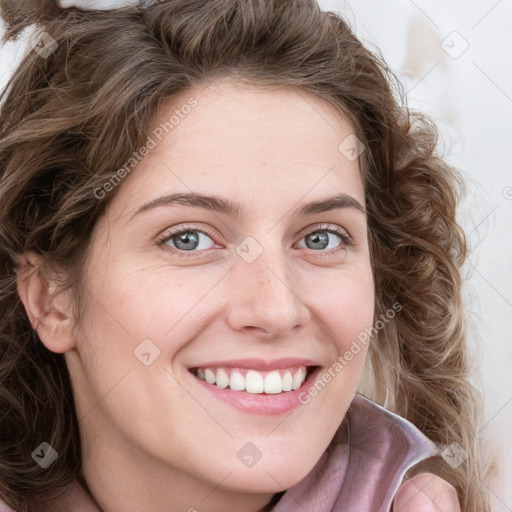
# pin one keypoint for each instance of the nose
(265, 297)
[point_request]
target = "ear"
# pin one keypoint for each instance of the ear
(48, 311)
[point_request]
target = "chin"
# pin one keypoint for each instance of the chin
(270, 476)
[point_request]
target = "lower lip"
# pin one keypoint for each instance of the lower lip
(260, 403)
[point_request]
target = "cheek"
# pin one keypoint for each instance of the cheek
(348, 307)
(130, 302)
(346, 311)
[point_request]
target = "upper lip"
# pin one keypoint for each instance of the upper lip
(258, 364)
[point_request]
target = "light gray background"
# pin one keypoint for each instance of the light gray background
(454, 59)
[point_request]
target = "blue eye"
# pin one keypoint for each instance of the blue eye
(190, 239)
(320, 239)
(186, 240)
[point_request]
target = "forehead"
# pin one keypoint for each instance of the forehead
(261, 117)
(249, 141)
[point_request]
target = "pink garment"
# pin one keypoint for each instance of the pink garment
(363, 466)
(363, 474)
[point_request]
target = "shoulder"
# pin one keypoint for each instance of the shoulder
(425, 492)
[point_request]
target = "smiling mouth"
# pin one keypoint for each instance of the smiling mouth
(255, 381)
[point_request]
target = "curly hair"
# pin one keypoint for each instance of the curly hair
(70, 118)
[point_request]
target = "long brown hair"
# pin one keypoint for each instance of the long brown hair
(72, 117)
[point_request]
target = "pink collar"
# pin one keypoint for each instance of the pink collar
(363, 466)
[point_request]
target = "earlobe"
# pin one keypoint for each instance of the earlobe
(47, 310)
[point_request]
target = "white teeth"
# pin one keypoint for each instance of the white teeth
(287, 381)
(297, 379)
(222, 379)
(254, 381)
(273, 383)
(237, 381)
(209, 376)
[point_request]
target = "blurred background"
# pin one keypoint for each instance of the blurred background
(455, 62)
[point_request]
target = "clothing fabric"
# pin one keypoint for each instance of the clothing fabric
(364, 465)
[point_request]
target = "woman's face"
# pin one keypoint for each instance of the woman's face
(270, 289)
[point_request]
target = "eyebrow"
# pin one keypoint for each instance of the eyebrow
(228, 207)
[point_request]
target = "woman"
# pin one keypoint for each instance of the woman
(139, 373)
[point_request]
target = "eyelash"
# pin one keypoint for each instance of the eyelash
(345, 239)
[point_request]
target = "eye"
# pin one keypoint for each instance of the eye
(320, 238)
(185, 240)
